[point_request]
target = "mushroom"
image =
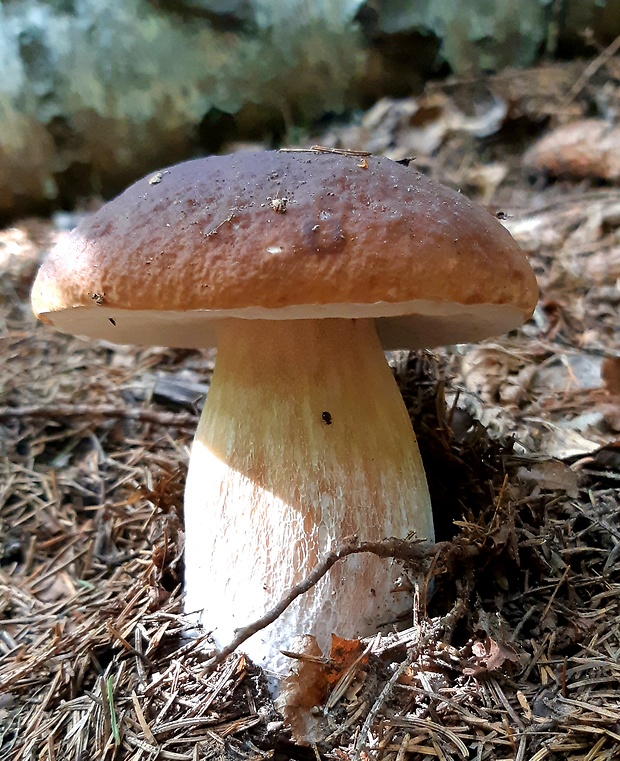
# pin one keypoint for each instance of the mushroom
(304, 438)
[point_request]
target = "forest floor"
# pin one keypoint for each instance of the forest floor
(515, 655)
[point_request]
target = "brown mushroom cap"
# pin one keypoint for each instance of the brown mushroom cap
(286, 235)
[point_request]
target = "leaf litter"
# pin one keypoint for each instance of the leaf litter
(512, 650)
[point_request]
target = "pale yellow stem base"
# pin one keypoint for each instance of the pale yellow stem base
(304, 440)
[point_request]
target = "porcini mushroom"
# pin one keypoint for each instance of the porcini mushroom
(301, 267)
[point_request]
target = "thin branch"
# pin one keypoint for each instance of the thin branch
(447, 623)
(417, 555)
(591, 69)
(88, 411)
(377, 705)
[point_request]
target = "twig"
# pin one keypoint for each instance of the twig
(415, 553)
(349, 675)
(399, 548)
(229, 218)
(464, 587)
(150, 737)
(591, 69)
(127, 646)
(325, 149)
(383, 696)
(60, 411)
(447, 623)
(543, 615)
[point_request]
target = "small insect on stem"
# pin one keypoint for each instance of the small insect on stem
(98, 298)
(326, 417)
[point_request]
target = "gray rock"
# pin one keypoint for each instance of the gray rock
(96, 92)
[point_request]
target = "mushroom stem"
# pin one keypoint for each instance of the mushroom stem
(304, 440)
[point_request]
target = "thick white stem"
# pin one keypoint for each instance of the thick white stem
(304, 440)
